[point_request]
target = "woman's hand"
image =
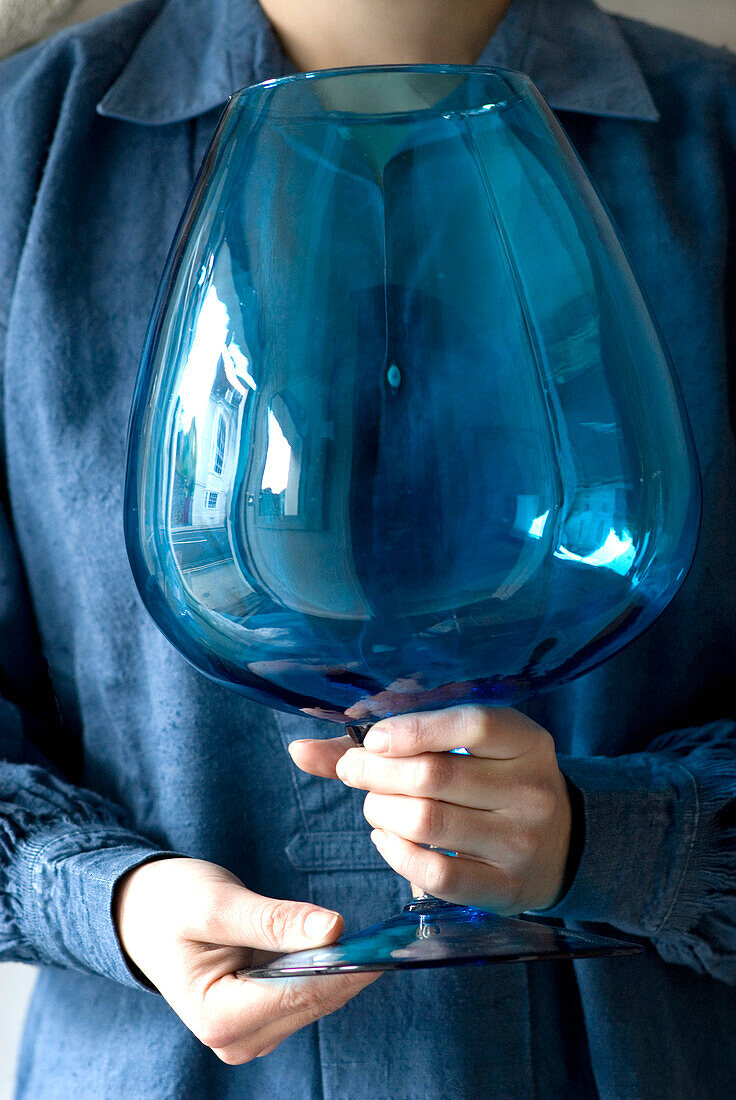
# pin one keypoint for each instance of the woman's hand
(191, 927)
(504, 808)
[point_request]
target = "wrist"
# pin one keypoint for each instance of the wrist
(128, 901)
(576, 839)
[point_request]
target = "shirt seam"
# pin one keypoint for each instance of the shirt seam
(691, 847)
(294, 778)
(527, 43)
(91, 833)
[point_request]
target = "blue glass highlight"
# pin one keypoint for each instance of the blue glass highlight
(452, 935)
(405, 434)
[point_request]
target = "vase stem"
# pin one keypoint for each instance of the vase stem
(358, 731)
(422, 902)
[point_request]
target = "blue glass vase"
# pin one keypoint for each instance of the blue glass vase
(405, 434)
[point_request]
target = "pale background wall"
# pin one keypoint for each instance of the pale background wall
(713, 20)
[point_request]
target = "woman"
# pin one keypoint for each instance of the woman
(134, 791)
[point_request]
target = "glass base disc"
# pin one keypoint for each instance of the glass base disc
(450, 935)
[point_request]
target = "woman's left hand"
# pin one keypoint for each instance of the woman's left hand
(503, 808)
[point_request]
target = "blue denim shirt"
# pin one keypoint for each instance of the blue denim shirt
(115, 749)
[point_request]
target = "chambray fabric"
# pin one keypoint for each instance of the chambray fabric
(115, 749)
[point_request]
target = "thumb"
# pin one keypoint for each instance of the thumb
(246, 919)
(319, 757)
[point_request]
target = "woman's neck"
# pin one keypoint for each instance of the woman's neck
(336, 34)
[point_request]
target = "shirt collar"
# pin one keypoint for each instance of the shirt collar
(191, 59)
(196, 53)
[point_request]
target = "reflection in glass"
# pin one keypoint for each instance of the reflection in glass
(405, 434)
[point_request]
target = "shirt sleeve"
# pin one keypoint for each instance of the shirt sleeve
(62, 848)
(658, 856)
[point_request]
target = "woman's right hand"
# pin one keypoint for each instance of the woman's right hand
(191, 927)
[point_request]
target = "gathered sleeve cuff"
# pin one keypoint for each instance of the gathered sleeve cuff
(62, 851)
(658, 856)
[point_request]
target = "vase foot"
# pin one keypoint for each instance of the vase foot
(450, 935)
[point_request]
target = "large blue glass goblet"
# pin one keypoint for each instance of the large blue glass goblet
(405, 434)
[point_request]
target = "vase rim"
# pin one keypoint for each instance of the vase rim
(517, 85)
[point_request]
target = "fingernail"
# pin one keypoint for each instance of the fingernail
(377, 837)
(318, 925)
(377, 740)
(292, 744)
